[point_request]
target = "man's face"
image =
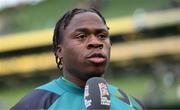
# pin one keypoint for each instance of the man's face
(86, 46)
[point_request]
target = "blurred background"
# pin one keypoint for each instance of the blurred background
(145, 57)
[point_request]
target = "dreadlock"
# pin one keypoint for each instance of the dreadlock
(62, 24)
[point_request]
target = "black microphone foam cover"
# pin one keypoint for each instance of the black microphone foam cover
(96, 94)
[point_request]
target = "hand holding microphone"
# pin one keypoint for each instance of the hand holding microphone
(96, 94)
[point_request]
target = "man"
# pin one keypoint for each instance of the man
(82, 49)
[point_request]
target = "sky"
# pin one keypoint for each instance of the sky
(13, 3)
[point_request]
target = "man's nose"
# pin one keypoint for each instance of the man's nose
(94, 42)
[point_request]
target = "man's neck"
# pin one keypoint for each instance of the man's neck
(75, 80)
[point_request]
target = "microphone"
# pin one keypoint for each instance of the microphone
(96, 94)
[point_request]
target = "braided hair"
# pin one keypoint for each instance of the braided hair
(62, 24)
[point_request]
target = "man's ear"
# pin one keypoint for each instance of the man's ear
(59, 51)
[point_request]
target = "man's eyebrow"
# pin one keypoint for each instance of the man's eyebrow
(96, 30)
(82, 30)
(101, 30)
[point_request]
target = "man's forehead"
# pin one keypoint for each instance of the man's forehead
(86, 19)
(84, 14)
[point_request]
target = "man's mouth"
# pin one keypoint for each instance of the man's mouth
(97, 58)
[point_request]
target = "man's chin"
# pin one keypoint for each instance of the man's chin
(94, 74)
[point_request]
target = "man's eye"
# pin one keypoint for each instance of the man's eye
(102, 36)
(81, 36)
